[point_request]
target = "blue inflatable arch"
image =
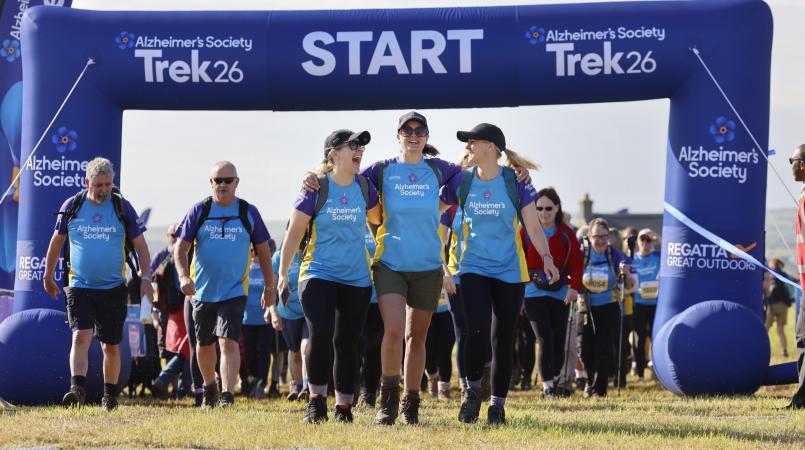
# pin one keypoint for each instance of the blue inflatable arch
(709, 338)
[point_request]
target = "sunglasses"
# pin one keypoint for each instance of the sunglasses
(224, 180)
(791, 160)
(645, 238)
(418, 131)
(353, 145)
(546, 208)
(600, 237)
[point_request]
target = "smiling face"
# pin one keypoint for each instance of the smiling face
(347, 157)
(480, 152)
(599, 236)
(798, 165)
(99, 188)
(413, 136)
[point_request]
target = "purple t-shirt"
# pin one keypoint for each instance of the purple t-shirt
(222, 255)
(336, 250)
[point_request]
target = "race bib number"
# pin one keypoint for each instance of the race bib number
(596, 282)
(650, 289)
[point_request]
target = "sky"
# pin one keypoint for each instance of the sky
(167, 155)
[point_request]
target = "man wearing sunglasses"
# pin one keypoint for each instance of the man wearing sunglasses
(221, 230)
(797, 161)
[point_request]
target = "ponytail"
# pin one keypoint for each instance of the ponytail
(430, 151)
(326, 165)
(515, 161)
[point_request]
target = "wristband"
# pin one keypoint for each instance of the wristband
(546, 256)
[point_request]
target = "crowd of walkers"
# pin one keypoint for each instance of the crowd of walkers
(381, 273)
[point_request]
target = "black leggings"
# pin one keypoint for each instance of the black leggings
(334, 312)
(439, 346)
(190, 324)
(491, 308)
(257, 342)
(370, 342)
(643, 326)
(598, 341)
(526, 343)
(548, 317)
(459, 330)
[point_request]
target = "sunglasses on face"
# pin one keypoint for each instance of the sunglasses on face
(600, 237)
(546, 208)
(645, 238)
(791, 160)
(418, 131)
(353, 145)
(224, 180)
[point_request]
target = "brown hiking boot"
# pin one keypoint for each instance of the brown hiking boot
(389, 404)
(409, 409)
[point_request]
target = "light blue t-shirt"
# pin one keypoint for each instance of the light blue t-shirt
(491, 242)
(96, 240)
(531, 291)
(253, 314)
(599, 279)
(292, 310)
(370, 247)
(647, 269)
(455, 239)
(409, 238)
(337, 250)
(222, 250)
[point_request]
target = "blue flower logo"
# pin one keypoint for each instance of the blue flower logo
(412, 178)
(97, 218)
(723, 130)
(535, 35)
(487, 195)
(65, 140)
(344, 200)
(125, 40)
(11, 50)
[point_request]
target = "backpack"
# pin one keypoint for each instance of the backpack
(511, 189)
(243, 214)
(128, 248)
(538, 276)
(587, 252)
(321, 199)
(164, 276)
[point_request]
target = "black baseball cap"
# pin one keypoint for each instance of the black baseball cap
(484, 132)
(411, 115)
(341, 137)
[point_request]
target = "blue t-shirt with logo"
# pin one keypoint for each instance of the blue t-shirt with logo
(337, 249)
(222, 250)
(371, 246)
(599, 279)
(409, 238)
(491, 241)
(96, 239)
(455, 239)
(292, 310)
(531, 290)
(647, 269)
(253, 314)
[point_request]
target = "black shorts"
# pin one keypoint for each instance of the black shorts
(101, 310)
(293, 331)
(218, 319)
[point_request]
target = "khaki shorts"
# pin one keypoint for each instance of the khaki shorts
(420, 289)
(778, 312)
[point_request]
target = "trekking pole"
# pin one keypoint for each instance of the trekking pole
(568, 330)
(630, 242)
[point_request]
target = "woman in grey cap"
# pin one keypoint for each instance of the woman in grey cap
(407, 268)
(334, 290)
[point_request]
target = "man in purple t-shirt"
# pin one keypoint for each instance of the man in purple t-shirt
(221, 230)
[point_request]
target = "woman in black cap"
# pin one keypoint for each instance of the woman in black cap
(333, 289)
(493, 268)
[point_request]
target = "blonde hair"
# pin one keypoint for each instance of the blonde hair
(326, 164)
(516, 161)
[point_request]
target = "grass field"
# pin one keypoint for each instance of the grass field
(643, 417)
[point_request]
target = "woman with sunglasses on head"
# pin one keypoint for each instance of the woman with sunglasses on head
(603, 264)
(647, 268)
(547, 304)
(493, 268)
(334, 286)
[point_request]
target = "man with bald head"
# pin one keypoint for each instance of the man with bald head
(220, 229)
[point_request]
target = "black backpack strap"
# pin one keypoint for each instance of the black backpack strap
(380, 171)
(243, 214)
(206, 205)
(321, 197)
(435, 169)
(464, 188)
(68, 215)
(510, 180)
(128, 249)
(364, 185)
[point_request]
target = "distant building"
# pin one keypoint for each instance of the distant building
(620, 219)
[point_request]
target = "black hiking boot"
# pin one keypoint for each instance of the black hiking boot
(389, 404)
(75, 397)
(316, 410)
(343, 415)
(495, 415)
(470, 406)
(109, 402)
(409, 409)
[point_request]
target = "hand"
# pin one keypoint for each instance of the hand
(550, 270)
(187, 286)
(522, 175)
(571, 296)
(146, 290)
(269, 297)
(51, 287)
(282, 284)
(625, 268)
(310, 181)
(276, 322)
(449, 284)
